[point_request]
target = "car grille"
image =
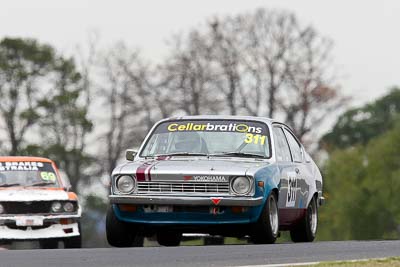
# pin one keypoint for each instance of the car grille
(186, 188)
(27, 207)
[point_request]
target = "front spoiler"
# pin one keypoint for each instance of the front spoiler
(53, 231)
(185, 201)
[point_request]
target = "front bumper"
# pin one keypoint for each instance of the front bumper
(185, 201)
(53, 231)
(51, 228)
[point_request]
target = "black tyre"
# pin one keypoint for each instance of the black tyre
(48, 243)
(121, 234)
(266, 229)
(138, 241)
(306, 230)
(169, 238)
(74, 242)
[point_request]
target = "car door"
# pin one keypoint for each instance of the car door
(288, 176)
(302, 173)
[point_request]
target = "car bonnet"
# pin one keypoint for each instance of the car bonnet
(26, 194)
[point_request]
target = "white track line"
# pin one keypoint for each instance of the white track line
(308, 263)
(284, 264)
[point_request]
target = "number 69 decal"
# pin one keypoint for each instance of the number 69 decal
(48, 176)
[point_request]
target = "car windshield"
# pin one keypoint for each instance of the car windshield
(233, 138)
(27, 173)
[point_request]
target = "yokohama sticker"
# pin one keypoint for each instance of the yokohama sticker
(210, 178)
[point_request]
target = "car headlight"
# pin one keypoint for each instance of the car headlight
(1, 208)
(241, 185)
(68, 207)
(56, 207)
(126, 184)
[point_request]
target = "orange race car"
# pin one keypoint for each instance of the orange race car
(35, 203)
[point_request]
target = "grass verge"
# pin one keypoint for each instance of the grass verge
(384, 262)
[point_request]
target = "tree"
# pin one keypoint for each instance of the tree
(269, 42)
(225, 53)
(127, 99)
(187, 75)
(291, 66)
(24, 66)
(362, 184)
(264, 63)
(360, 125)
(64, 122)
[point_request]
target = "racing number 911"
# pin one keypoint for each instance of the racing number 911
(218, 175)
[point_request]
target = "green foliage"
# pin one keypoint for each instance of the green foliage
(40, 88)
(24, 58)
(362, 185)
(24, 63)
(64, 121)
(359, 125)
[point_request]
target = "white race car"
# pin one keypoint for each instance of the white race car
(218, 175)
(35, 203)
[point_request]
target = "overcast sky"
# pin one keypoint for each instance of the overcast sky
(366, 33)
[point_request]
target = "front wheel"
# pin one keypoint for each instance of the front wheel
(306, 230)
(267, 227)
(73, 242)
(121, 234)
(48, 243)
(169, 238)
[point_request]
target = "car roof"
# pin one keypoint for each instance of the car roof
(222, 117)
(24, 158)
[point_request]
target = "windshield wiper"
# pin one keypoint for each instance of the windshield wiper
(41, 183)
(181, 154)
(238, 154)
(9, 185)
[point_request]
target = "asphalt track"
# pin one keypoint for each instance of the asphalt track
(226, 255)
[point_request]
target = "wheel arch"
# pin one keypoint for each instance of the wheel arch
(313, 193)
(270, 177)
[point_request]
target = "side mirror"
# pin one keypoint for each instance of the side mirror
(130, 154)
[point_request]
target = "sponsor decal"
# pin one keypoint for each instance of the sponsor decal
(210, 178)
(292, 189)
(21, 166)
(216, 200)
(253, 127)
(213, 127)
